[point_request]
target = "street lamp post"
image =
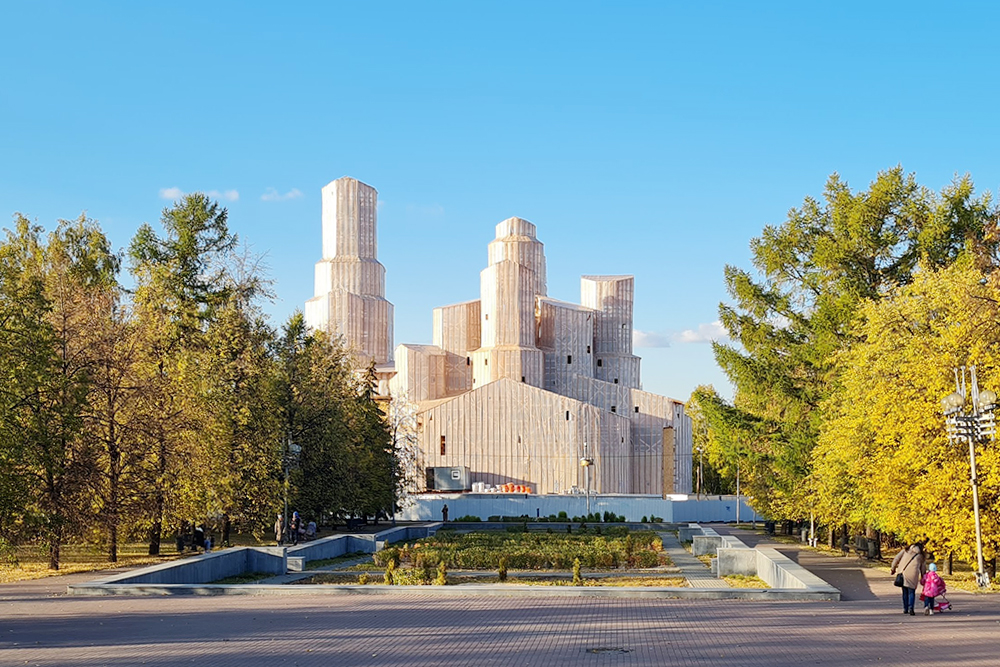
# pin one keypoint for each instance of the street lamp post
(971, 422)
(290, 457)
(701, 461)
(585, 463)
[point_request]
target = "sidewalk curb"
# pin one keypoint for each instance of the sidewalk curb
(468, 590)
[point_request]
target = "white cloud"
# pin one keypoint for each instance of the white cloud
(228, 195)
(649, 339)
(705, 333)
(272, 194)
(431, 211)
(171, 193)
(177, 193)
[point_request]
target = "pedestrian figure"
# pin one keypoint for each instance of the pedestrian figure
(293, 527)
(933, 587)
(444, 513)
(910, 563)
(279, 530)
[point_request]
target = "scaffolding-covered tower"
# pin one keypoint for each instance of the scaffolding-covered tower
(350, 282)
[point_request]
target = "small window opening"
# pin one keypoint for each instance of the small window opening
(522, 378)
(600, 363)
(443, 446)
(468, 361)
(637, 408)
(588, 349)
(486, 316)
(486, 362)
(569, 358)
(567, 415)
(616, 380)
(614, 408)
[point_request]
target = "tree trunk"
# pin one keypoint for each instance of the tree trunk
(226, 526)
(114, 480)
(157, 527)
(55, 545)
(113, 545)
(950, 561)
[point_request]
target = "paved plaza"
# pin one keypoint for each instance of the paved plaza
(40, 625)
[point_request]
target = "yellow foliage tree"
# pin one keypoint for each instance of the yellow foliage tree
(883, 458)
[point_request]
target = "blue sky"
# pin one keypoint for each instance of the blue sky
(654, 139)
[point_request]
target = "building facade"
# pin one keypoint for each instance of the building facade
(517, 386)
(520, 387)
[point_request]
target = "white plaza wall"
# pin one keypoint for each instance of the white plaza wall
(678, 509)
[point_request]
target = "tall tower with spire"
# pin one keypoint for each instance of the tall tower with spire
(350, 281)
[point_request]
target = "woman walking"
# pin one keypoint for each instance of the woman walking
(910, 564)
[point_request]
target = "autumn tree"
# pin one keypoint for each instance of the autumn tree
(51, 287)
(883, 458)
(791, 318)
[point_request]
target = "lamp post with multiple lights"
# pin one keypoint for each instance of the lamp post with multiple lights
(585, 463)
(971, 421)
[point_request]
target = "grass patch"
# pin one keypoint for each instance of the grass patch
(745, 581)
(32, 561)
(245, 578)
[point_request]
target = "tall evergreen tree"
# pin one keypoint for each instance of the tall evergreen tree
(179, 286)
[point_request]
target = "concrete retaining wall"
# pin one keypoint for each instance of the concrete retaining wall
(327, 547)
(206, 568)
(217, 565)
(780, 571)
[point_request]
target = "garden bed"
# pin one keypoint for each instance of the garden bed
(612, 548)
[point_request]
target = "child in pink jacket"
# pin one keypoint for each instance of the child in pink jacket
(933, 586)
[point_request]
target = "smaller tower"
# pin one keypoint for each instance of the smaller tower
(612, 297)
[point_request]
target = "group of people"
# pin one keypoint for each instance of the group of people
(297, 529)
(913, 573)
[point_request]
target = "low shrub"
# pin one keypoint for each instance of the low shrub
(442, 578)
(383, 557)
(468, 518)
(577, 577)
(390, 573)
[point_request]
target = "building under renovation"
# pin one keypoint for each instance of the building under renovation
(518, 387)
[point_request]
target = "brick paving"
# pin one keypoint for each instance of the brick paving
(39, 625)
